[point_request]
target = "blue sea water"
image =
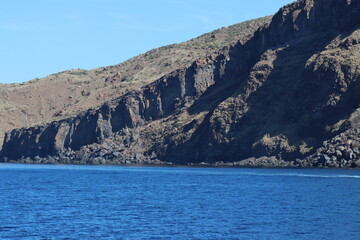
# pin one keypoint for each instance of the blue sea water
(109, 202)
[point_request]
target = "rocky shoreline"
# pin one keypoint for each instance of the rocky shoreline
(288, 96)
(264, 162)
(342, 151)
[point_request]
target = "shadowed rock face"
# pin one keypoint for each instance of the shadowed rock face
(39, 101)
(282, 93)
(294, 80)
(157, 100)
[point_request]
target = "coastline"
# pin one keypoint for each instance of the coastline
(229, 165)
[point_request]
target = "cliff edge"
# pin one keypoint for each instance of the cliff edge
(286, 96)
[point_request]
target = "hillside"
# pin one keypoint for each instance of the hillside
(286, 95)
(40, 101)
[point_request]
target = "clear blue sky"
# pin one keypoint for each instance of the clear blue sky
(42, 37)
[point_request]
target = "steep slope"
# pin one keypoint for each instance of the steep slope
(40, 101)
(269, 100)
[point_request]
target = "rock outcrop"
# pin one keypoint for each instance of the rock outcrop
(288, 97)
(157, 100)
(39, 101)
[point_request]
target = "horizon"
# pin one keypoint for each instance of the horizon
(59, 35)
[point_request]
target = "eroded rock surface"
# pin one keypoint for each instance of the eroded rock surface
(271, 100)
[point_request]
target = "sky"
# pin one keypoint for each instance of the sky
(42, 37)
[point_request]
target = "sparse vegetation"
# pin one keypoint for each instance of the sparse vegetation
(279, 96)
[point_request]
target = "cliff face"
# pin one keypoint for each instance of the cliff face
(296, 85)
(280, 94)
(39, 101)
(157, 100)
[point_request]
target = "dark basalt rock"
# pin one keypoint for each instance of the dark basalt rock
(345, 155)
(288, 97)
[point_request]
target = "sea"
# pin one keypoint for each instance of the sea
(115, 202)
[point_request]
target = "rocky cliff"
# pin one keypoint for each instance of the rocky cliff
(39, 101)
(270, 100)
